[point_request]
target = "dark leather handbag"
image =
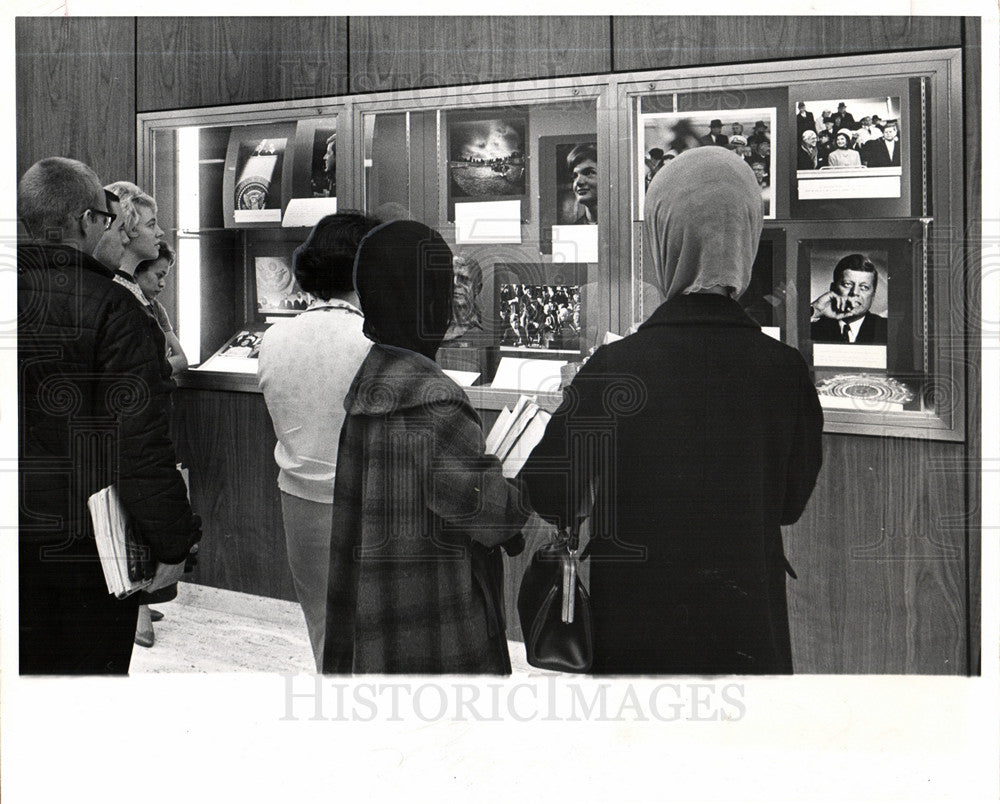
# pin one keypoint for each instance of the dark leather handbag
(554, 609)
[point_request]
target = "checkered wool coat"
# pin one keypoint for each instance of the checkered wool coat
(419, 511)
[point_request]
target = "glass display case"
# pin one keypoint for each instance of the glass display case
(538, 188)
(238, 189)
(512, 180)
(859, 164)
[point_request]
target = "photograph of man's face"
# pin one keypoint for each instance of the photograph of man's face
(857, 288)
(849, 302)
(324, 164)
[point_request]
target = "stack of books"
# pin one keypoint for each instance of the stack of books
(127, 562)
(516, 433)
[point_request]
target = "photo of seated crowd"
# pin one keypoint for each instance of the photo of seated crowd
(856, 133)
(539, 316)
(744, 133)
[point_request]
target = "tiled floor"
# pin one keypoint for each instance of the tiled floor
(207, 630)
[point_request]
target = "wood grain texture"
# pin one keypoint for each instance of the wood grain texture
(646, 42)
(227, 441)
(203, 61)
(402, 52)
(880, 555)
(75, 83)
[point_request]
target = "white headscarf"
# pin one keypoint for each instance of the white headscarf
(703, 220)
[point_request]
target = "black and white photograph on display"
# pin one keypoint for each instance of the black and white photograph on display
(257, 192)
(849, 148)
(576, 183)
(486, 156)
(323, 173)
(850, 297)
(545, 317)
(278, 292)
(749, 133)
(569, 187)
(859, 326)
(314, 172)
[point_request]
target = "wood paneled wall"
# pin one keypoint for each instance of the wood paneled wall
(75, 84)
(185, 62)
(888, 550)
(227, 441)
(404, 52)
(648, 43)
(881, 557)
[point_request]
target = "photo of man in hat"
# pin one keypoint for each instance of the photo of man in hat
(759, 134)
(715, 135)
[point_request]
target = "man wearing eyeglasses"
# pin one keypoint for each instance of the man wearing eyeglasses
(92, 399)
(111, 246)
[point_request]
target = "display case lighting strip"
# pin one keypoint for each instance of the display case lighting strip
(188, 244)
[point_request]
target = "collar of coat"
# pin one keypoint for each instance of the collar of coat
(706, 309)
(392, 379)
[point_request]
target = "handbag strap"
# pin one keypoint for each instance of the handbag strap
(584, 510)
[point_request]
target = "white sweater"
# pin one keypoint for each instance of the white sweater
(306, 367)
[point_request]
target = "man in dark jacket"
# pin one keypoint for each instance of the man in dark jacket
(93, 395)
(883, 151)
(804, 120)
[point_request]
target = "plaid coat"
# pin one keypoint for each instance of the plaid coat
(419, 512)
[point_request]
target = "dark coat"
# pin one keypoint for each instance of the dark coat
(415, 571)
(876, 154)
(708, 432)
(804, 122)
(719, 139)
(91, 361)
(874, 330)
(93, 402)
(805, 159)
(845, 120)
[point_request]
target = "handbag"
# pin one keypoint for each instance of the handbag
(554, 609)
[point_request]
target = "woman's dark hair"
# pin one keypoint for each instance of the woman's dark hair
(580, 153)
(324, 264)
(166, 253)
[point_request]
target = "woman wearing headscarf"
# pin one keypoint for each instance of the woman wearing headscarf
(420, 511)
(695, 438)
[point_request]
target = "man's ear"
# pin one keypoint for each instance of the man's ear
(79, 226)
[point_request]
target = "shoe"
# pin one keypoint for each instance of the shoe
(155, 616)
(144, 636)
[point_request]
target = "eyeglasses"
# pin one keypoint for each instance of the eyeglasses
(109, 216)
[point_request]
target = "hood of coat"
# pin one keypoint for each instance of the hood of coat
(393, 379)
